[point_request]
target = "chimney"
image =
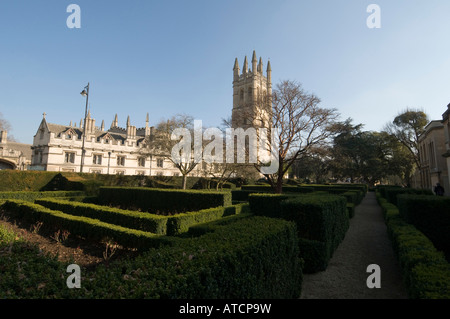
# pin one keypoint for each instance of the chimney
(3, 136)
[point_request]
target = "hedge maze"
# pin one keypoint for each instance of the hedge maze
(236, 243)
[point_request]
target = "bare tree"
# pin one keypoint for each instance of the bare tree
(164, 142)
(298, 125)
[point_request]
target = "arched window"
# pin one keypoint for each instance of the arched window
(242, 95)
(249, 90)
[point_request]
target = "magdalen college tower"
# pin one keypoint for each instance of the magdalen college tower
(252, 93)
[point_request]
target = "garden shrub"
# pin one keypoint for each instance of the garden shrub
(269, 189)
(156, 200)
(255, 258)
(15, 180)
(392, 193)
(32, 196)
(83, 226)
(322, 222)
(430, 214)
(156, 224)
(266, 204)
(425, 271)
(350, 210)
(180, 223)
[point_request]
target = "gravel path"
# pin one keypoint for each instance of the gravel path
(365, 243)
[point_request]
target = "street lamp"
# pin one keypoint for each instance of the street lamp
(85, 93)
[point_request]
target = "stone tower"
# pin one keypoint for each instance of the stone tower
(251, 94)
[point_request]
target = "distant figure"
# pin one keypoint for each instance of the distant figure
(439, 190)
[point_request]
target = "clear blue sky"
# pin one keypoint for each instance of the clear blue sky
(169, 57)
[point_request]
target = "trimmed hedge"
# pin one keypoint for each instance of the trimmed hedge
(322, 222)
(156, 224)
(32, 196)
(425, 271)
(180, 223)
(83, 226)
(430, 215)
(392, 193)
(255, 258)
(156, 200)
(269, 189)
(201, 229)
(351, 210)
(15, 180)
(266, 204)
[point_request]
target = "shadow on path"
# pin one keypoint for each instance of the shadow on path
(365, 243)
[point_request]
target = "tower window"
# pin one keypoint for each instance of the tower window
(242, 95)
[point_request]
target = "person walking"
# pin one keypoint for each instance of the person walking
(439, 190)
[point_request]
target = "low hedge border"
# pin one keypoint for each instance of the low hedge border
(430, 214)
(157, 224)
(32, 196)
(393, 192)
(180, 223)
(425, 271)
(83, 226)
(256, 258)
(155, 200)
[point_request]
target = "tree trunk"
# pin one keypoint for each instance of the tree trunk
(279, 185)
(184, 181)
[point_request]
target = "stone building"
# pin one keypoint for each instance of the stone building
(432, 147)
(251, 94)
(13, 155)
(123, 150)
(115, 150)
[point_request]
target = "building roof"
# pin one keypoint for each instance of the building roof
(25, 149)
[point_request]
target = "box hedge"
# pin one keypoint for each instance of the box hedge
(266, 204)
(156, 224)
(322, 222)
(31, 196)
(430, 214)
(256, 258)
(425, 271)
(82, 226)
(392, 193)
(156, 200)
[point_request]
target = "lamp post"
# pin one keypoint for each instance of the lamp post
(85, 93)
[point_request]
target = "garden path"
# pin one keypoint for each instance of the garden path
(365, 243)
